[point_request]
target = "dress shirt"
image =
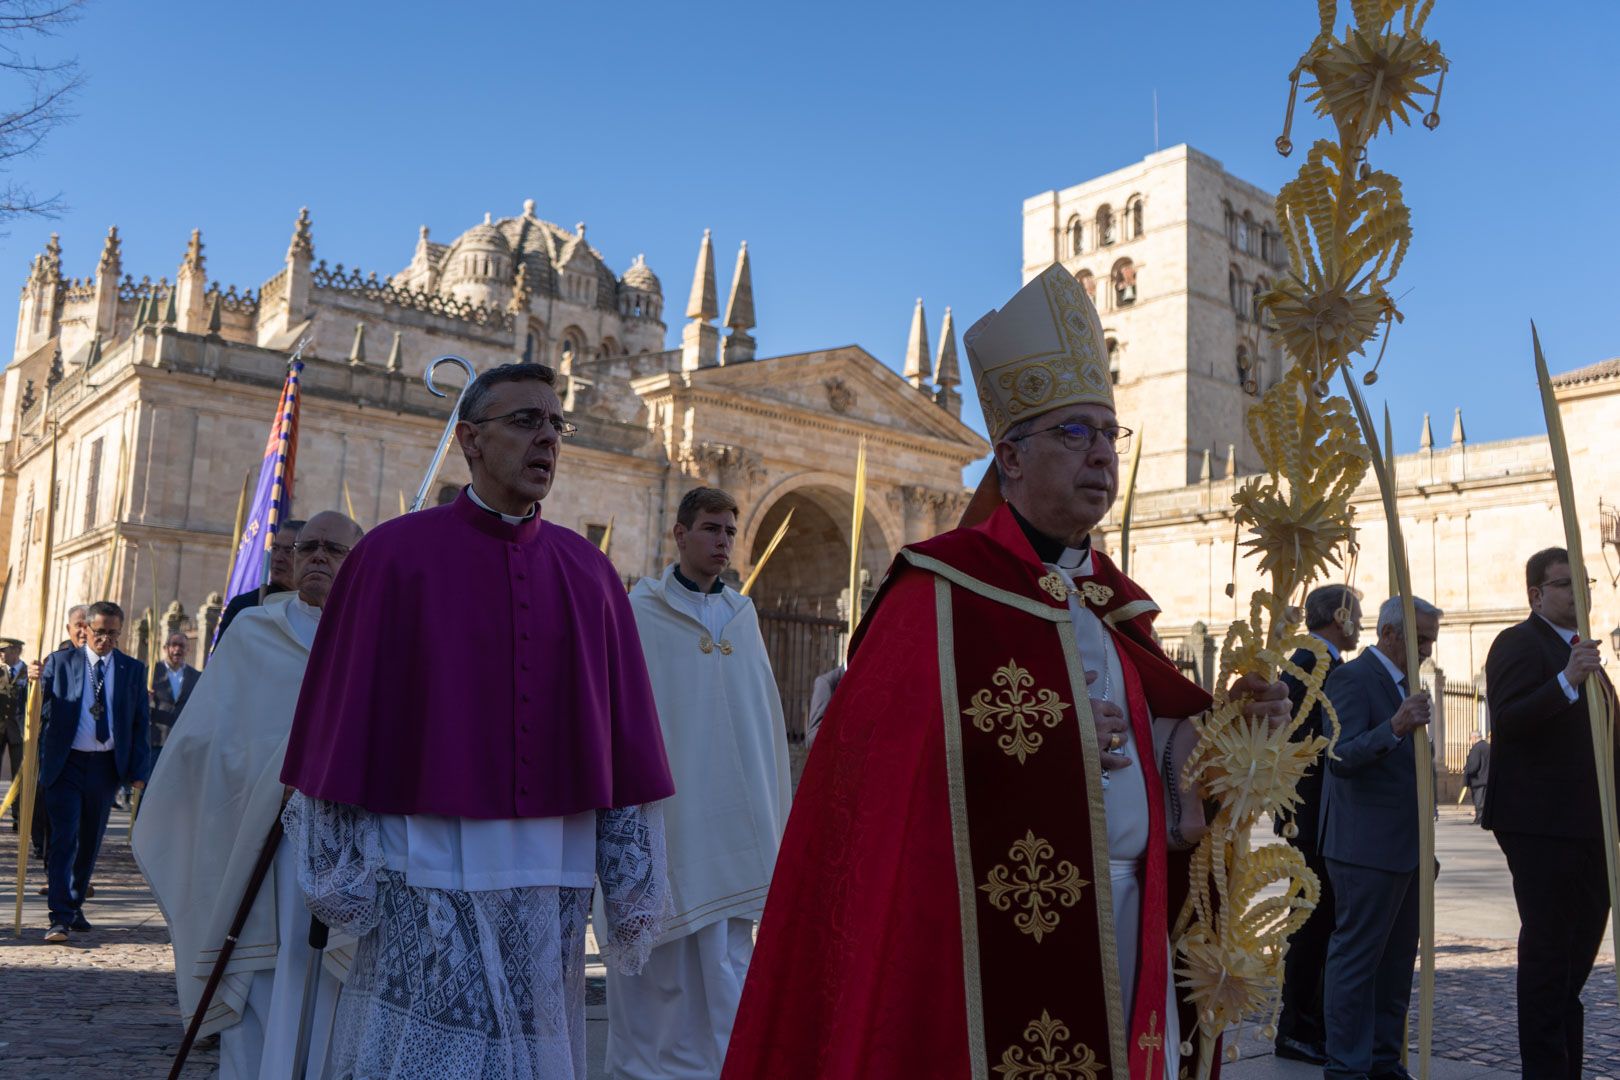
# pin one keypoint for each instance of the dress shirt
(1333, 650)
(1569, 639)
(1394, 672)
(176, 680)
(85, 737)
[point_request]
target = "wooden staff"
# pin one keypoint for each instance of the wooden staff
(1420, 740)
(1597, 702)
(28, 779)
(261, 868)
(857, 518)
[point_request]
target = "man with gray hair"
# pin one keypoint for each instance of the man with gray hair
(1369, 842)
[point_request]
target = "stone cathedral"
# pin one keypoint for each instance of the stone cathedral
(159, 396)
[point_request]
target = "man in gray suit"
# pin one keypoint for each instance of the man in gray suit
(1370, 844)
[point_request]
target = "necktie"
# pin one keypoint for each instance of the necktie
(98, 708)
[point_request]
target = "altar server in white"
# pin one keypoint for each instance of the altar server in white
(727, 745)
(211, 803)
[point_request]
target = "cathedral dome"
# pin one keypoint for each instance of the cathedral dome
(640, 276)
(478, 266)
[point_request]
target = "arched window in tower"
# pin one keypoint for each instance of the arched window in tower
(1124, 279)
(1088, 283)
(1231, 224)
(1133, 217)
(1105, 225)
(1113, 361)
(1256, 311)
(1076, 235)
(1245, 230)
(530, 348)
(1234, 289)
(571, 352)
(1245, 364)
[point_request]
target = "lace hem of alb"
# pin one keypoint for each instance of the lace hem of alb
(339, 853)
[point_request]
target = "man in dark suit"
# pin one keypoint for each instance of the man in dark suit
(1542, 804)
(281, 576)
(1333, 617)
(171, 689)
(13, 703)
(1370, 844)
(1477, 773)
(78, 634)
(94, 738)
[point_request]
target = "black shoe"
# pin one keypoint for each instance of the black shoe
(56, 935)
(80, 923)
(1295, 1050)
(1397, 1073)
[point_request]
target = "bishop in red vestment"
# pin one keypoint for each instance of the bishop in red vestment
(977, 879)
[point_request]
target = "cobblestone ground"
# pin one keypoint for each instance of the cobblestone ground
(103, 1005)
(1475, 1019)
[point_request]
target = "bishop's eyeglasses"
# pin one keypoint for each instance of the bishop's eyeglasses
(532, 420)
(1078, 436)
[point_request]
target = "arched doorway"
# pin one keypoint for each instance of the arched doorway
(798, 593)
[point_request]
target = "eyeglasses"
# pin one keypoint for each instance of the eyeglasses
(532, 420)
(1077, 436)
(310, 547)
(1564, 583)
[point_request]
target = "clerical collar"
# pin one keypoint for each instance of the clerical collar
(1051, 550)
(691, 586)
(488, 509)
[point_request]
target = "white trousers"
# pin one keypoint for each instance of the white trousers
(261, 1046)
(1127, 890)
(673, 1021)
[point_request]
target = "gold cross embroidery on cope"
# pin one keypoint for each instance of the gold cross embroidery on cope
(1150, 1040)
(1015, 710)
(1035, 885)
(1048, 1058)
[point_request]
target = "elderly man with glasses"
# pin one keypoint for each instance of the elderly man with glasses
(475, 746)
(1542, 804)
(93, 739)
(978, 873)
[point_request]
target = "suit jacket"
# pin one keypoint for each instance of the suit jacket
(1543, 780)
(165, 706)
(1477, 769)
(1369, 797)
(13, 704)
(821, 694)
(1308, 815)
(64, 679)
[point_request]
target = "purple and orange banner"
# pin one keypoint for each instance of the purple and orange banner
(272, 495)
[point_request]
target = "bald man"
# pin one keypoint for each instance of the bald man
(213, 799)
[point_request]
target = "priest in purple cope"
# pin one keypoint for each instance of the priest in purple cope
(475, 746)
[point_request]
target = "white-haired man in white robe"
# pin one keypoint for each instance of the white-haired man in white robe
(210, 806)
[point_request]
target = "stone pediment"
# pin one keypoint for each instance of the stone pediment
(844, 384)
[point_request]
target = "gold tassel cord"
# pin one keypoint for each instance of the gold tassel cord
(1599, 716)
(1346, 231)
(770, 549)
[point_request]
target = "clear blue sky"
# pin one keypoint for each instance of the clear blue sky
(869, 153)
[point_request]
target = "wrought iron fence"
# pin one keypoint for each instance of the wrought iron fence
(800, 647)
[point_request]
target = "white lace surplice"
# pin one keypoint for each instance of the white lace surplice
(450, 984)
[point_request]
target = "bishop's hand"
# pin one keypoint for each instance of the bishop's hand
(1111, 730)
(1262, 700)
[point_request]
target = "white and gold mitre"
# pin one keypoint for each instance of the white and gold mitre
(1043, 350)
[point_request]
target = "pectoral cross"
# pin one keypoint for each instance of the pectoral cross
(1150, 1040)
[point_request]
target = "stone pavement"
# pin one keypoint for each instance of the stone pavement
(105, 1005)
